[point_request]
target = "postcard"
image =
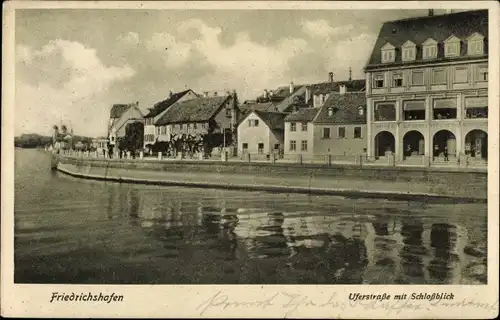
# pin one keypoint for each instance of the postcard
(250, 159)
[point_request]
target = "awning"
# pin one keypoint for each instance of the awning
(385, 106)
(476, 102)
(414, 105)
(445, 104)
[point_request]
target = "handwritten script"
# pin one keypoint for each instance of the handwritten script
(291, 303)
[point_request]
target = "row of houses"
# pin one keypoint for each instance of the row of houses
(424, 96)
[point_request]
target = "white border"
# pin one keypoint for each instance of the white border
(181, 301)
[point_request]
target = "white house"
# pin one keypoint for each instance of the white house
(261, 133)
(120, 116)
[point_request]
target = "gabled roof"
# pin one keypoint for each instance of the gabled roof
(274, 120)
(452, 38)
(345, 109)
(303, 115)
(387, 46)
(118, 109)
(418, 30)
(194, 110)
(161, 106)
(409, 43)
(429, 41)
(475, 35)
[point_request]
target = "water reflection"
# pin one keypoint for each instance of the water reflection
(176, 235)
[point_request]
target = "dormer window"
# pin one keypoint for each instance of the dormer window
(361, 110)
(429, 49)
(475, 44)
(452, 47)
(330, 111)
(409, 51)
(388, 53)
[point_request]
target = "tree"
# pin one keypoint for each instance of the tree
(134, 136)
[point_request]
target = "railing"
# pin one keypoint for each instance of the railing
(362, 160)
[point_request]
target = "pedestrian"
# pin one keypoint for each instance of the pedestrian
(446, 154)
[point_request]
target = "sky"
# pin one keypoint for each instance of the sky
(74, 64)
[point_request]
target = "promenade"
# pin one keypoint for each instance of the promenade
(300, 183)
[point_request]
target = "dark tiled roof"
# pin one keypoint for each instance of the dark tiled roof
(327, 87)
(438, 27)
(248, 107)
(280, 93)
(274, 120)
(118, 109)
(345, 109)
(163, 105)
(194, 110)
(303, 115)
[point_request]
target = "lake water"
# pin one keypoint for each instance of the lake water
(88, 232)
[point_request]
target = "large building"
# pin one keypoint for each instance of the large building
(427, 89)
(150, 131)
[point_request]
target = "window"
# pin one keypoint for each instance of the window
(408, 54)
(385, 112)
(378, 81)
(341, 133)
(303, 145)
(244, 146)
(204, 125)
(444, 109)
(429, 48)
(293, 145)
(361, 111)
(293, 126)
(228, 113)
(461, 75)
(476, 107)
(414, 110)
(112, 139)
(409, 50)
(159, 130)
(181, 126)
(452, 47)
(397, 78)
(260, 148)
(482, 73)
(326, 133)
(439, 76)
(304, 126)
(253, 123)
(277, 146)
(195, 126)
(388, 55)
(357, 132)
(417, 77)
(475, 47)
(330, 111)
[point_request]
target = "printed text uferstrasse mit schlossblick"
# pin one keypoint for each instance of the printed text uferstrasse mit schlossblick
(85, 297)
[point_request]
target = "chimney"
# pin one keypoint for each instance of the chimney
(308, 94)
(343, 89)
(350, 74)
(205, 94)
(431, 12)
(170, 94)
(291, 87)
(330, 77)
(270, 93)
(266, 93)
(215, 93)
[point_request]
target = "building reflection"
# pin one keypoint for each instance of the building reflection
(413, 251)
(443, 240)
